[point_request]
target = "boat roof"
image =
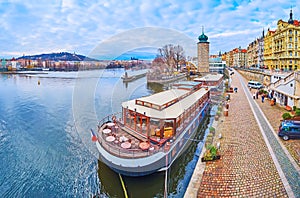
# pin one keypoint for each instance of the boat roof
(185, 87)
(210, 77)
(164, 97)
(172, 111)
(190, 83)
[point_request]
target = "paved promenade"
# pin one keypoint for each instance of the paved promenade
(253, 162)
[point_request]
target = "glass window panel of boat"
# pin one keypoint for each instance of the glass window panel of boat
(131, 119)
(144, 126)
(169, 123)
(138, 122)
(154, 124)
(127, 116)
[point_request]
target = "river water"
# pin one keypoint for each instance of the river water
(45, 144)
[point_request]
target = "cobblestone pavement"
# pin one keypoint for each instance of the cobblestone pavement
(246, 168)
(274, 115)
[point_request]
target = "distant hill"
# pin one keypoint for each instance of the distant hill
(60, 56)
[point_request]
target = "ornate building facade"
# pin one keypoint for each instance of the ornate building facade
(252, 54)
(260, 51)
(282, 50)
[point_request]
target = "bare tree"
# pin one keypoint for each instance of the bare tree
(179, 56)
(172, 55)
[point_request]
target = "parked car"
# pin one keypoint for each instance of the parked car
(289, 129)
(255, 84)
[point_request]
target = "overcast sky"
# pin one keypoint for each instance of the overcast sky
(43, 26)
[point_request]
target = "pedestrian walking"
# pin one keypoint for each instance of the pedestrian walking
(262, 98)
(256, 94)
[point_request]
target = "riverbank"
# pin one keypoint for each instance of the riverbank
(24, 72)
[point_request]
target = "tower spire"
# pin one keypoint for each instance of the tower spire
(291, 21)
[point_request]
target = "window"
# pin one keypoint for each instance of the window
(290, 45)
(291, 32)
(291, 39)
(291, 53)
(291, 61)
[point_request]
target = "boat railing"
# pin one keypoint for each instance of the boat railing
(115, 148)
(110, 118)
(112, 148)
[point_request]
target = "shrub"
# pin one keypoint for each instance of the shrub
(212, 129)
(210, 135)
(294, 108)
(297, 112)
(213, 150)
(286, 116)
(208, 141)
(220, 108)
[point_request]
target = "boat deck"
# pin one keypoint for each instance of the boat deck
(121, 141)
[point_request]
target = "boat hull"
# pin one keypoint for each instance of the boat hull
(158, 161)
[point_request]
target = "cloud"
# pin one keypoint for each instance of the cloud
(142, 37)
(81, 25)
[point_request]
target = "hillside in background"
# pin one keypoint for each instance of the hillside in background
(60, 56)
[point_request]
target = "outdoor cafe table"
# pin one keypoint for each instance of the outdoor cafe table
(110, 138)
(126, 145)
(110, 124)
(123, 138)
(106, 131)
(144, 145)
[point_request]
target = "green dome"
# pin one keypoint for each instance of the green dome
(203, 38)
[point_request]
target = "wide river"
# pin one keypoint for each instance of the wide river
(45, 142)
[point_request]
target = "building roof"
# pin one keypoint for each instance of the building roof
(172, 111)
